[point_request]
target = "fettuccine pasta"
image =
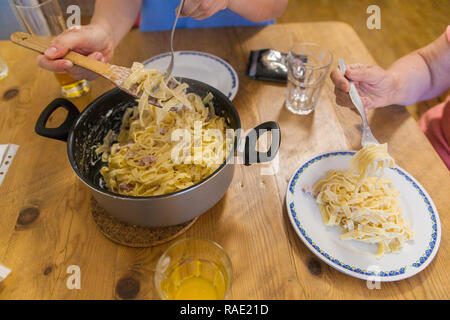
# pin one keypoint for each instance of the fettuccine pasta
(364, 206)
(144, 159)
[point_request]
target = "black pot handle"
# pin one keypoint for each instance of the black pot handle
(62, 132)
(250, 154)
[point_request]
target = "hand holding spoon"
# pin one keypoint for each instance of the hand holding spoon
(116, 74)
(367, 136)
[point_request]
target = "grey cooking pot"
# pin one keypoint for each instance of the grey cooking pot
(84, 130)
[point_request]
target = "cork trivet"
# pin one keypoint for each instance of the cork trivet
(134, 236)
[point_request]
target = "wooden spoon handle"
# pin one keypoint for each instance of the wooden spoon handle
(29, 41)
(40, 44)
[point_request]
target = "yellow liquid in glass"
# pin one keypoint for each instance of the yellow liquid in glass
(196, 280)
(71, 88)
(196, 288)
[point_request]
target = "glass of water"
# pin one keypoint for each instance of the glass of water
(308, 65)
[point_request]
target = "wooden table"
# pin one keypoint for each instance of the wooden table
(250, 222)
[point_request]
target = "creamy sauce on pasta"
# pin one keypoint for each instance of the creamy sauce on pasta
(365, 206)
(144, 159)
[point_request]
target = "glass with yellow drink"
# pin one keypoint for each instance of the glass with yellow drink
(45, 18)
(70, 87)
(193, 269)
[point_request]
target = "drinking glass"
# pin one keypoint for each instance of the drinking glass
(45, 18)
(3, 68)
(308, 65)
(193, 269)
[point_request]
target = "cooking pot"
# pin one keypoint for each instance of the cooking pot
(84, 130)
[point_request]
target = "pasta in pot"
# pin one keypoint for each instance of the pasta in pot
(365, 207)
(144, 160)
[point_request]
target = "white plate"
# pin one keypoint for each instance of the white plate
(353, 257)
(199, 66)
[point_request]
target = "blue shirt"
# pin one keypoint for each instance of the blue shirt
(157, 15)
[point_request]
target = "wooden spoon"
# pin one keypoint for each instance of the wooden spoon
(116, 74)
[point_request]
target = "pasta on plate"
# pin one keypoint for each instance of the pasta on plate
(365, 206)
(143, 159)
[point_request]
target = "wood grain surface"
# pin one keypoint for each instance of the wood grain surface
(46, 223)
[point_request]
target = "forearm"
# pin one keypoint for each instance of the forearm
(116, 16)
(423, 74)
(412, 79)
(258, 10)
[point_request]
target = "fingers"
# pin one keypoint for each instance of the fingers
(371, 74)
(62, 65)
(80, 73)
(88, 40)
(69, 40)
(189, 8)
(342, 87)
(202, 9)
(97, 56)
(339, 80)
(343, 98)
(368, 104)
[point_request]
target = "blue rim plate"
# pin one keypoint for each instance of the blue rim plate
(199, 66)
(353, 257)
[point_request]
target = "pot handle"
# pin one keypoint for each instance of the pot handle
(61, 132)
(250, 154)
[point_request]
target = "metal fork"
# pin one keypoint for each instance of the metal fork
(170, 67)
(367, 136)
